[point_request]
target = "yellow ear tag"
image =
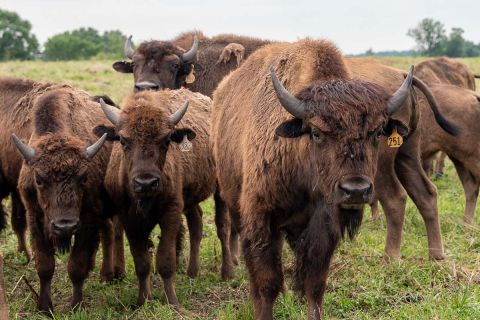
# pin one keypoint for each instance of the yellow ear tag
(185, 145)
(191, 77)
(395, 140)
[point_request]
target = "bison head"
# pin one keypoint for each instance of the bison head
(59, 166)
(339, 124)
(145, 133)
(157, 64)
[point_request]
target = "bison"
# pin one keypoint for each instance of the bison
(444, 71)
(306, 177)
(156, 172)
(61, 185)
(164, 64)
(463, 106)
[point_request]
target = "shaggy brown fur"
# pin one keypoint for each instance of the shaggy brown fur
(60, 184)
(280, 175)
(3, 298)
(159, 62)
(462, 106)
(148, 149)
(444, 71)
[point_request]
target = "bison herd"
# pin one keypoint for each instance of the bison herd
(291, 139)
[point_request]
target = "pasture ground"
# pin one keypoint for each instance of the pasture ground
(360, 286)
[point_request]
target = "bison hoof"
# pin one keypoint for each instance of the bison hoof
(107, 276)
(227, 273)
(437, 256)
(438, 175)
(46, 307)
(192, 271)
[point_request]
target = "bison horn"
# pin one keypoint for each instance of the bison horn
(94, 148)
(288, 101)
(110, 112)
(191, 55)
(398, 98)
(178, 115)
(128, 48)
(27, 152)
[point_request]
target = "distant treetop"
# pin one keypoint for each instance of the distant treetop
(16, 40)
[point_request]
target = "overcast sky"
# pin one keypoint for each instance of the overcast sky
(354, 25)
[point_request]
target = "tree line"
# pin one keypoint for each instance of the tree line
(17, 42)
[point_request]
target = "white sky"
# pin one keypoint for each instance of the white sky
(354, 25)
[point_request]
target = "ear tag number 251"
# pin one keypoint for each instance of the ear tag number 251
(395, 140)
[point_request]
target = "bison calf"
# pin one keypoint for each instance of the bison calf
(161, 167)
(61, 186)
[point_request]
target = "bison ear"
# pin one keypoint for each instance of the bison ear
(402, 129)
(123, 66)
(109, 130)
(291, 129)
(178, 134)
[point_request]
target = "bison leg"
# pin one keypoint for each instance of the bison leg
(166, 253)
(234, 250)
(440, 164)
(470, 187)
(81, 261)
(222, 222)
(262, 249)
(393, 199)
(45, 265)
(424, 195)
(118, 249)
(139, 243)
(375, 210)
(19, 224)
(195, 228)
(106, 232)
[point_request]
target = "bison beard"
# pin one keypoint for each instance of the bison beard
(316, 244)
(62, 245)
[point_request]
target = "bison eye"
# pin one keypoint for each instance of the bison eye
(316, 135)
(39, 180)
(124, 143)
(378, 133)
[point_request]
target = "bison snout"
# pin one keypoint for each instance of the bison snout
(64, 228)
(355, 190)
(146, 85)
(146, 184)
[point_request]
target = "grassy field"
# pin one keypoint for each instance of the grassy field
(361, 286)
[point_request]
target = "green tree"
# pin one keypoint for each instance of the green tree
(455, 45)
(16, 39)
(429, 36)
(84, 43)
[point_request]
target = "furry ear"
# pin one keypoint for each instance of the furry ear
(123, 66)
(109, 130)
(178, 134)
(106, 99)
(291, 129)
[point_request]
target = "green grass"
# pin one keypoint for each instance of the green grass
(361, 285)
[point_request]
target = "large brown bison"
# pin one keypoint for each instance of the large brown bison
(61, 185)
(307, 176)
(156, 172)
(463, 107)
(443, 71)
(165, 64)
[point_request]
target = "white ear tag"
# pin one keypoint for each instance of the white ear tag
(185, 145)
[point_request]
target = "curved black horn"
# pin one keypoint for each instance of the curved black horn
(294, 106)
(128, 48)
(110, 112)
(191, 55)
(398, 98)
(94, 148)
(178, 115)
(27, 152)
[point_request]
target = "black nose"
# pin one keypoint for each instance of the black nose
(146, 184)
(356, 190)
(145, 85)
(64, 227)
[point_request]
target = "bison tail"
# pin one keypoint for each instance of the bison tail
(443, 122)
(477, 76)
